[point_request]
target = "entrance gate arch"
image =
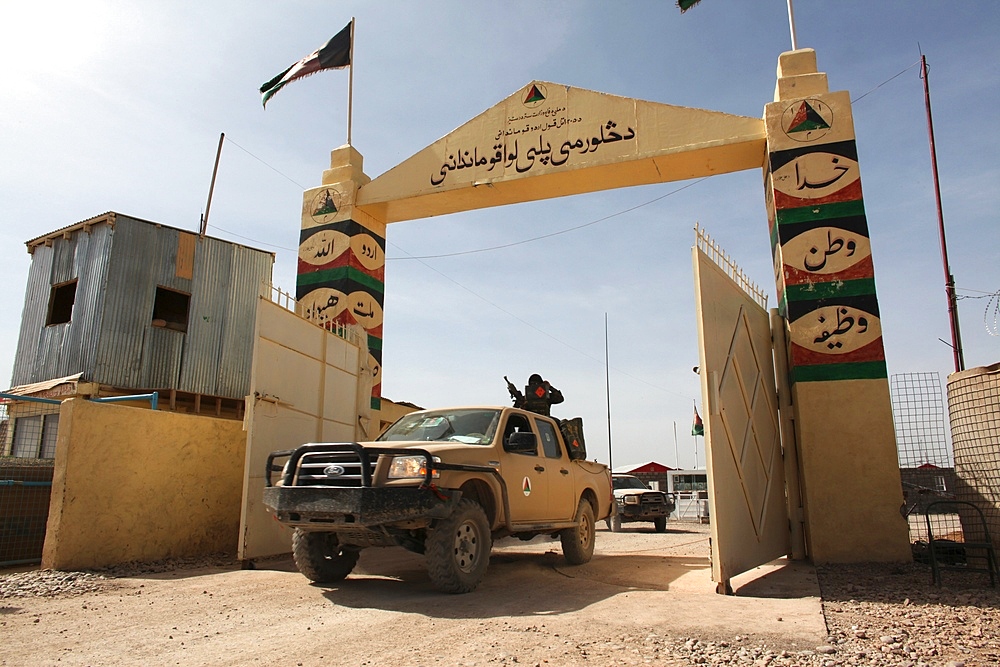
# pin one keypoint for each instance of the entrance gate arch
(550, 140)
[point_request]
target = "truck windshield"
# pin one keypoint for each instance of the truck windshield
(629, 483)
(472, 426)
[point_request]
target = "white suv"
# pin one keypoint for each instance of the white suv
(637, 502)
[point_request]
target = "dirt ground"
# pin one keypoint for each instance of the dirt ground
(641, 591)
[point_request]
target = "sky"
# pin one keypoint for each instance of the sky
(118, 106)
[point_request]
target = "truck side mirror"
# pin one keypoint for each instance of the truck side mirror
(522, 442)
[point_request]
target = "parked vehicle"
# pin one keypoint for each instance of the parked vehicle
(637, 502)
(445, 484)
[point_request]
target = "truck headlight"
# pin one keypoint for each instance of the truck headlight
(408, 467)
(632, 500)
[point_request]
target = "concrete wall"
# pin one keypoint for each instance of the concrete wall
(133, 484)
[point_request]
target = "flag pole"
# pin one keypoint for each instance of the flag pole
(350, 86)
(791, 26)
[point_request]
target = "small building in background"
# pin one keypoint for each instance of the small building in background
(654, 475)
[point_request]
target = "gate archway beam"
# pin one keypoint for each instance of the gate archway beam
(550, 140)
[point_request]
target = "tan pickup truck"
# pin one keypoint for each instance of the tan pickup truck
(443, 483)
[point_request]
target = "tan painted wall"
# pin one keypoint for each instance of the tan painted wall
(134, 484)
(850, 472)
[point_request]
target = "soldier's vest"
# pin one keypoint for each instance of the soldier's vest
(536, 398)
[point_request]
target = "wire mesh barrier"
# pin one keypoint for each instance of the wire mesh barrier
(28, 431)
(925, 464)
(951, 498)
(25, 486)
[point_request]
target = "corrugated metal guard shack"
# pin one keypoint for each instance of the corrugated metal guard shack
(137, 306)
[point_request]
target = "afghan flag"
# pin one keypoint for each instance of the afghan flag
(697, 427)
(685, 5)
(335, 54)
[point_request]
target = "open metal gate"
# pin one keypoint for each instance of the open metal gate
(746, 476)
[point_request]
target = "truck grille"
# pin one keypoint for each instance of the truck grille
(653, 499)
(334, 466)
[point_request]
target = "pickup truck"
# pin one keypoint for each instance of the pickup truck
(638, 502)
(443, 483)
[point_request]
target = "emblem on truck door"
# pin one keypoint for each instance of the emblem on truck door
(333, 471)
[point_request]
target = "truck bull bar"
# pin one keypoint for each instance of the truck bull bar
(368, 456)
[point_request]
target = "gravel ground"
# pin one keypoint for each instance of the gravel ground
(876, 615)
(53, 583)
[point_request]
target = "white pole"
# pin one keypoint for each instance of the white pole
(791, 26)
(677, 459)
(607, 387)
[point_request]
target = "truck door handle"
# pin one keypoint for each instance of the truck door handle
(539, 469)
(564, 471)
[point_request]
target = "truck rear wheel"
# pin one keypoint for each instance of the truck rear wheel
(578, 542)
(320, 556)
(660, 524)
(458, 549)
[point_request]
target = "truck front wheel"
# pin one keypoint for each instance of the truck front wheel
(320, 556)
(458, 549)
(660, 524)
(578, 542)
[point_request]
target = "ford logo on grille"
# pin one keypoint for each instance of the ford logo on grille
(333, 471)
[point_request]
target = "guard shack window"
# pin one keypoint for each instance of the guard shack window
(170, 309)
(61, 303)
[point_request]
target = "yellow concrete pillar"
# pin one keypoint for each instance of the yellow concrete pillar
(849, 471)
(341, 271)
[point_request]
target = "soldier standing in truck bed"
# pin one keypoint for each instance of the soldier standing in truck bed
(540, 396)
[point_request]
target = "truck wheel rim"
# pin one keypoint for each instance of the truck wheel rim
(586, 531)
(467, 546)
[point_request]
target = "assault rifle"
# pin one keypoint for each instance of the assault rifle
(516, 396)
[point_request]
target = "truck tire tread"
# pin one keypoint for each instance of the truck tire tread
(320, 557)
(457, 549)
(578, 542)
